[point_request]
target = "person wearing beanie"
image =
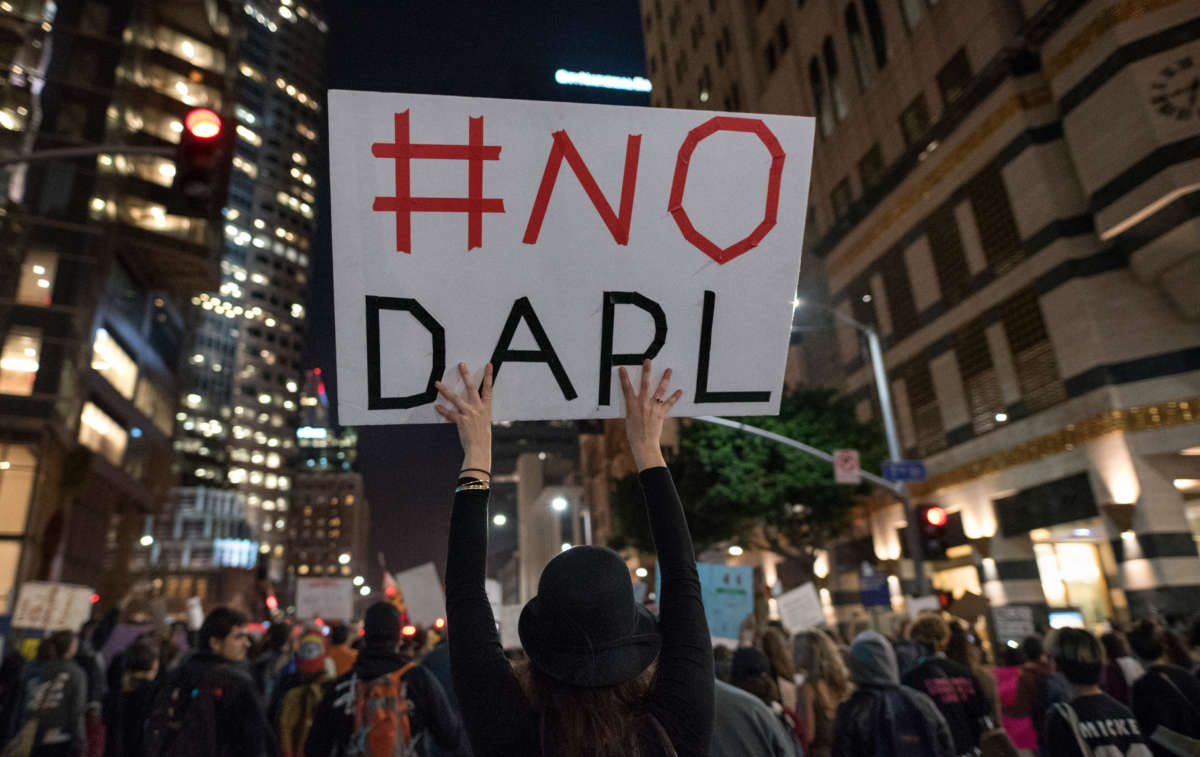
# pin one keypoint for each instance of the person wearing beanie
(950, 685)
(603, 677)
(335, 725)
(883, 718)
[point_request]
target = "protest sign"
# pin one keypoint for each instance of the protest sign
(560, 241)
(423, 595)
(1013, 622)
(801, 608)
(728, 595)
(918, 605)
(327, 598)
(51, 606)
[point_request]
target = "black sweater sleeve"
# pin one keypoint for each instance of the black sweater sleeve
(682, 695)
(497, 715)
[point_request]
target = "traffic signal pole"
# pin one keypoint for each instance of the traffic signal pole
(893, 441)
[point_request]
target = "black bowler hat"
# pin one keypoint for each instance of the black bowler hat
(584, 628)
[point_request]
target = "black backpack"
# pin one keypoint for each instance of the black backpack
(183, 722)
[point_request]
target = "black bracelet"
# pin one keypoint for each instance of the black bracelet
(487, 473)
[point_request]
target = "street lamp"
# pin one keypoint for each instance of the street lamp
(559, 504)
(147, 540)
(344, 558)
(499, 519)
(735, 551)
(889, 430)
(359, 580)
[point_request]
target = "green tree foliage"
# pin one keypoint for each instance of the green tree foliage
(731, 481)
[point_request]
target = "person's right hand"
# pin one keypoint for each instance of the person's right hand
(472, 414)
(644, 416)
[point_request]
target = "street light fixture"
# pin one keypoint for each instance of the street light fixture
(365, 591)
(499, 519)
(735, 550)
(559, 504)
(565, 546)
(642, 572)
(359, 580)
(147, 540)
(344, 558)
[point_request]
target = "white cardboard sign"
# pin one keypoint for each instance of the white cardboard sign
(423, 595)
(326, 598)
(560, 241)
(801, 608)
(1013, 622)
(52, 606)
(509, 620)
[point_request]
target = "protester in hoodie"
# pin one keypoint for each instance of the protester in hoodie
(950, 685)
(883, 718)
(745, 727)
(431, 717)
(299, 702)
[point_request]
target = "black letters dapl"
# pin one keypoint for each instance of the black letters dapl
(607, 358)
(375, 400)
(545, 353)
(702, 393)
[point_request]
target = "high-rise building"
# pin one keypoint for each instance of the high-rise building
(1001, 188)
(240, 400)
(93, 269)
(330, 522)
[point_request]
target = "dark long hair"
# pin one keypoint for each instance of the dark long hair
(606, 721)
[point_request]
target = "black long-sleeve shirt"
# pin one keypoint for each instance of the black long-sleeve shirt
(498, 716)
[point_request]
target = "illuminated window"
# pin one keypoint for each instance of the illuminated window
(37, 278)
(174, 85)
(144, 214)
(302, 570)
(17, 468)
(181, 46)
(19, 360)
(101, 434)
(349, 499)
(113, 363)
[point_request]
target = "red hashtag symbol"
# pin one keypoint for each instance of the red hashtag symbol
(403, 204)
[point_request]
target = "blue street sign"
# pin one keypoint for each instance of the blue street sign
(904, 470)
(873, 591)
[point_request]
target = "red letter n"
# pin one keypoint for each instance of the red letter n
(563, 148)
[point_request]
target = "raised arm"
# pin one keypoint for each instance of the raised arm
(682, 694)
(494, 708)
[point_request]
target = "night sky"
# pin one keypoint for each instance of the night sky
(481, 49)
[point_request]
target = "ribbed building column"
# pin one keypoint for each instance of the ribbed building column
(1158, 563)
(1010, 574)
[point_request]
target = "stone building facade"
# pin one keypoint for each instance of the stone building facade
(1005, 190)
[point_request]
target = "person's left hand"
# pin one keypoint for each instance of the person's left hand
(472, 413)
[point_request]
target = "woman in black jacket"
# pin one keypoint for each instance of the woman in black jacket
(604, 677)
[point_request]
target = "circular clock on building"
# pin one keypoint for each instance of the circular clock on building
(1177, 90)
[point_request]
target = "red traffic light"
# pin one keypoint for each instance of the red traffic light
(95, 598)
(409, 630)
(272, 603)
(202, 123)
(439, 624)
(935, 516)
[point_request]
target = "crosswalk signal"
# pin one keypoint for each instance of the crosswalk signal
(931, 521)
(202, 163)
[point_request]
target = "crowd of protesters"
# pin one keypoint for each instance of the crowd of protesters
(597, 673)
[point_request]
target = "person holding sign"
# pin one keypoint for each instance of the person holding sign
(604, 677)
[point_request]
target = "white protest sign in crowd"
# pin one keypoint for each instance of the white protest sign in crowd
(800, 608)
(560, 241)
(52, 606)
(424, 597)
(328, 598)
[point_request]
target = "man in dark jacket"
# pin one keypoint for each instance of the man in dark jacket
(431, 716)
(211, 698)
(950, 685)
(883, 718)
